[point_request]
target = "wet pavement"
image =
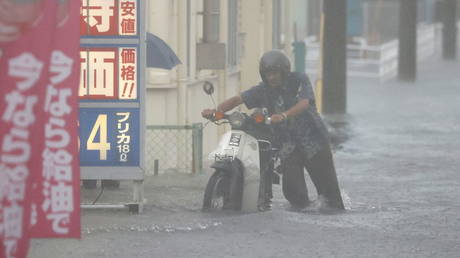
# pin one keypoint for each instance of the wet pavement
(397, 157)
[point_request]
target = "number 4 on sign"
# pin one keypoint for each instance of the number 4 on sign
(102, 146)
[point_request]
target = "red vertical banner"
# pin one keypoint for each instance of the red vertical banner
(56, 203)
(39, 171)
(24, 66)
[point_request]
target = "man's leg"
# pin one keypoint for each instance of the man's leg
(322, 172)
(265, 189)
(294, 186)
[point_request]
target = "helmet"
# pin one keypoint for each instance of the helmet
(274, 60)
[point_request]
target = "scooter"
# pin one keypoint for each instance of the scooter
(244, 163)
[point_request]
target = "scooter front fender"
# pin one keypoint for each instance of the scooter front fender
(222, 164)
(247, 152)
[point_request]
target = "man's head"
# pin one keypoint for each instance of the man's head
(274, 68)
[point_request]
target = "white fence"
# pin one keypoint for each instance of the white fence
(376, 61)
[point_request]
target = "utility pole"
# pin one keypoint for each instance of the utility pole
(449, 29)
(407, 51)
(334, 67)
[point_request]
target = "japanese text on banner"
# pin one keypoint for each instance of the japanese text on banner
(18, 117)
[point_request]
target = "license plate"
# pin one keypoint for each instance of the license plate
(235, 140)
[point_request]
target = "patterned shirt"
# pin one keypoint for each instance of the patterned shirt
(306, 130)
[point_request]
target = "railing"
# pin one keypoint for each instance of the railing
(174, 148)
(380, 61)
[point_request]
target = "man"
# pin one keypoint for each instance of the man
(300, 131)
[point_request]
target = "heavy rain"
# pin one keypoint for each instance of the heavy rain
(386, 82)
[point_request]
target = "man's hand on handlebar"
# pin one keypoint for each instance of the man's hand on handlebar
(277, 118)
(208, 113)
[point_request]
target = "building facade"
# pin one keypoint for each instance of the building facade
(246, 28)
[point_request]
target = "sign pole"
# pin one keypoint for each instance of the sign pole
(139, 184)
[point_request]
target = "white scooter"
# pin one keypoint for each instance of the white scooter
(243, 163)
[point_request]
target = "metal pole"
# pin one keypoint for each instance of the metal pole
(407, 59)
(194, 150)
(211, 20)
(197, 147)
(334, 62)
(449, 29)
(138, 194)
(319, 80)
(287, 28)
(138, 185)
(156, 167)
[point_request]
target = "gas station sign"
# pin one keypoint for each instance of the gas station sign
(112, 55)
(109, 73)
(109, 18)
(109, 137)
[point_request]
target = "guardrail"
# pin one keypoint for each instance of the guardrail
(375, 61)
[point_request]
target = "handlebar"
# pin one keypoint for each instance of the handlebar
(257, 118)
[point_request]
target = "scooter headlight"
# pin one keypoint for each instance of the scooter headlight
(236, 119)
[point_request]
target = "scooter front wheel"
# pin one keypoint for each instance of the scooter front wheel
(223, 191)
(214, 194)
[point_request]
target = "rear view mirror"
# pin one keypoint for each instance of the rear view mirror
(208, 88)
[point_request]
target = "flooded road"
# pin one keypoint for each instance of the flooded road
(397, 157)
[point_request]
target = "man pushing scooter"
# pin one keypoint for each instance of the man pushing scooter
(302, 136)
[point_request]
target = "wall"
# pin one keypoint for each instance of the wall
(176, 97)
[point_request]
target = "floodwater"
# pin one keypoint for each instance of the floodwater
(397, 159)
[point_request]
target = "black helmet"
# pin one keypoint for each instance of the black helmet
(274, 60)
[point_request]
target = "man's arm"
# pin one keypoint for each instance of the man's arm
(298, 108)
(225, 106)
(230, 104)
(304, 97)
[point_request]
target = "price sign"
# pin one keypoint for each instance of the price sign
(109, 73)
(109, 18)
(109, 137)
